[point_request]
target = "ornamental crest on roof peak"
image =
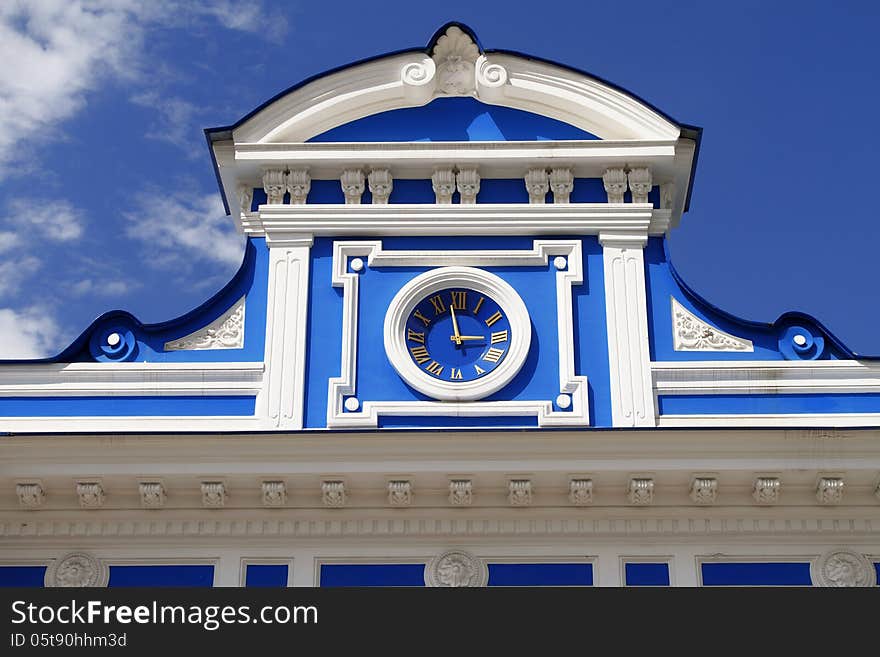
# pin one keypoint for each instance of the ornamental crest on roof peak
(455, 55)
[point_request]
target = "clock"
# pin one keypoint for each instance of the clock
(457, 333)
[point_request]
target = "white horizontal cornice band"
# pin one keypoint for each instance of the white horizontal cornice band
(275, 221)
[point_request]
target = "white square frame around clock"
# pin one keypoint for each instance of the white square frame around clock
(573, 395)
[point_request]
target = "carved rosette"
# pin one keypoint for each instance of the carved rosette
(443, 183)
(580, 492)
(457, 569)
(461, 492)
(30, 496)
(333, 494)
(152, 494)
(400, 493)
(77, 569)
(468, 183)
(455, 56)
(537, 185)
(690, 333)
(615, 184)
(843, 567)
(561, 184)
(225, 332)
(381, 185)
(274, 184)
(352, 181)
(519, 492)
(298, 185)
(274, 493)
(640, 182)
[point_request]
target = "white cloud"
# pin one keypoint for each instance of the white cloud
(178, 229)
(54, 52)
(15, 270)
(29, 333)
(8, 241)
(174, 123)
(58, 221)
(91, 287)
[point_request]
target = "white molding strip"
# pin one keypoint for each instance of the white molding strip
(122, 379)
(279, 221)
(762, 377)
(772, 420)
(632, 399)
(369, 412)
(356, 525)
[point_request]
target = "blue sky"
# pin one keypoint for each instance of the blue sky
(108, 199)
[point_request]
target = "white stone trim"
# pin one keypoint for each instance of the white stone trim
(412, 79)
(540, 254)
(225, 332)
(278, 222)
(632, 398)
(494, 287)
(286, 315)
(767, 376)
(690, 333)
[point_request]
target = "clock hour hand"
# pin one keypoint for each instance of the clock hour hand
(457, 337)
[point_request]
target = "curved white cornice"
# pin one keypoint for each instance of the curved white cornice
(414, 79)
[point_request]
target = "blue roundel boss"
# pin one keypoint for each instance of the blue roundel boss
(801, 343)
(113, 343)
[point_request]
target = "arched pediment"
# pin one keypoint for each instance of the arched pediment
(453, 65)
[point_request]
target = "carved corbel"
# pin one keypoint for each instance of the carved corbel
(274, 184)
(298, 184)
(468, 182)
(561, 184)
(443, 182)
(352, 181)
(615, 184)
(537, 185)
(640, 182)
(381, 185)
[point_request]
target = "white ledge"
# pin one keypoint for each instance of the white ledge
(275, 221)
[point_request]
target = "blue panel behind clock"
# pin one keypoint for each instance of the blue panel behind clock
(377, 380)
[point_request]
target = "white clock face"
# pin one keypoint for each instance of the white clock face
(457, 333)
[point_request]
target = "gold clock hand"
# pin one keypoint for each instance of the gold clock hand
(467, 337)
(457, 337)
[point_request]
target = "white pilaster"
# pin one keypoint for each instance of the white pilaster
(286, 314)
(302, 572)
(632, 400)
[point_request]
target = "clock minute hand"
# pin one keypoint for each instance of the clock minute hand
(471, 337)
(457, 337)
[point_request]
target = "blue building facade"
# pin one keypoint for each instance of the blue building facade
(456, 354)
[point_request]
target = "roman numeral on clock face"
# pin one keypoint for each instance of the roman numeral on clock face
(437, 302)
(499, 336)
(415, 336)
(459, 299)
(479, 303)
(479, 370)
(455, 374)
(435, 368)
(420, 354)
(418, 315)
(493, 318)
(493, 355)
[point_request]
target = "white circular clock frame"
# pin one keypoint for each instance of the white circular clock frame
(478, 280)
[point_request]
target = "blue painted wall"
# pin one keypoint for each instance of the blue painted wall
(500, 574)
(378, 381)
(22, 576)
(165, 575)
(646, 574)
(184, 405)
(453, 119)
